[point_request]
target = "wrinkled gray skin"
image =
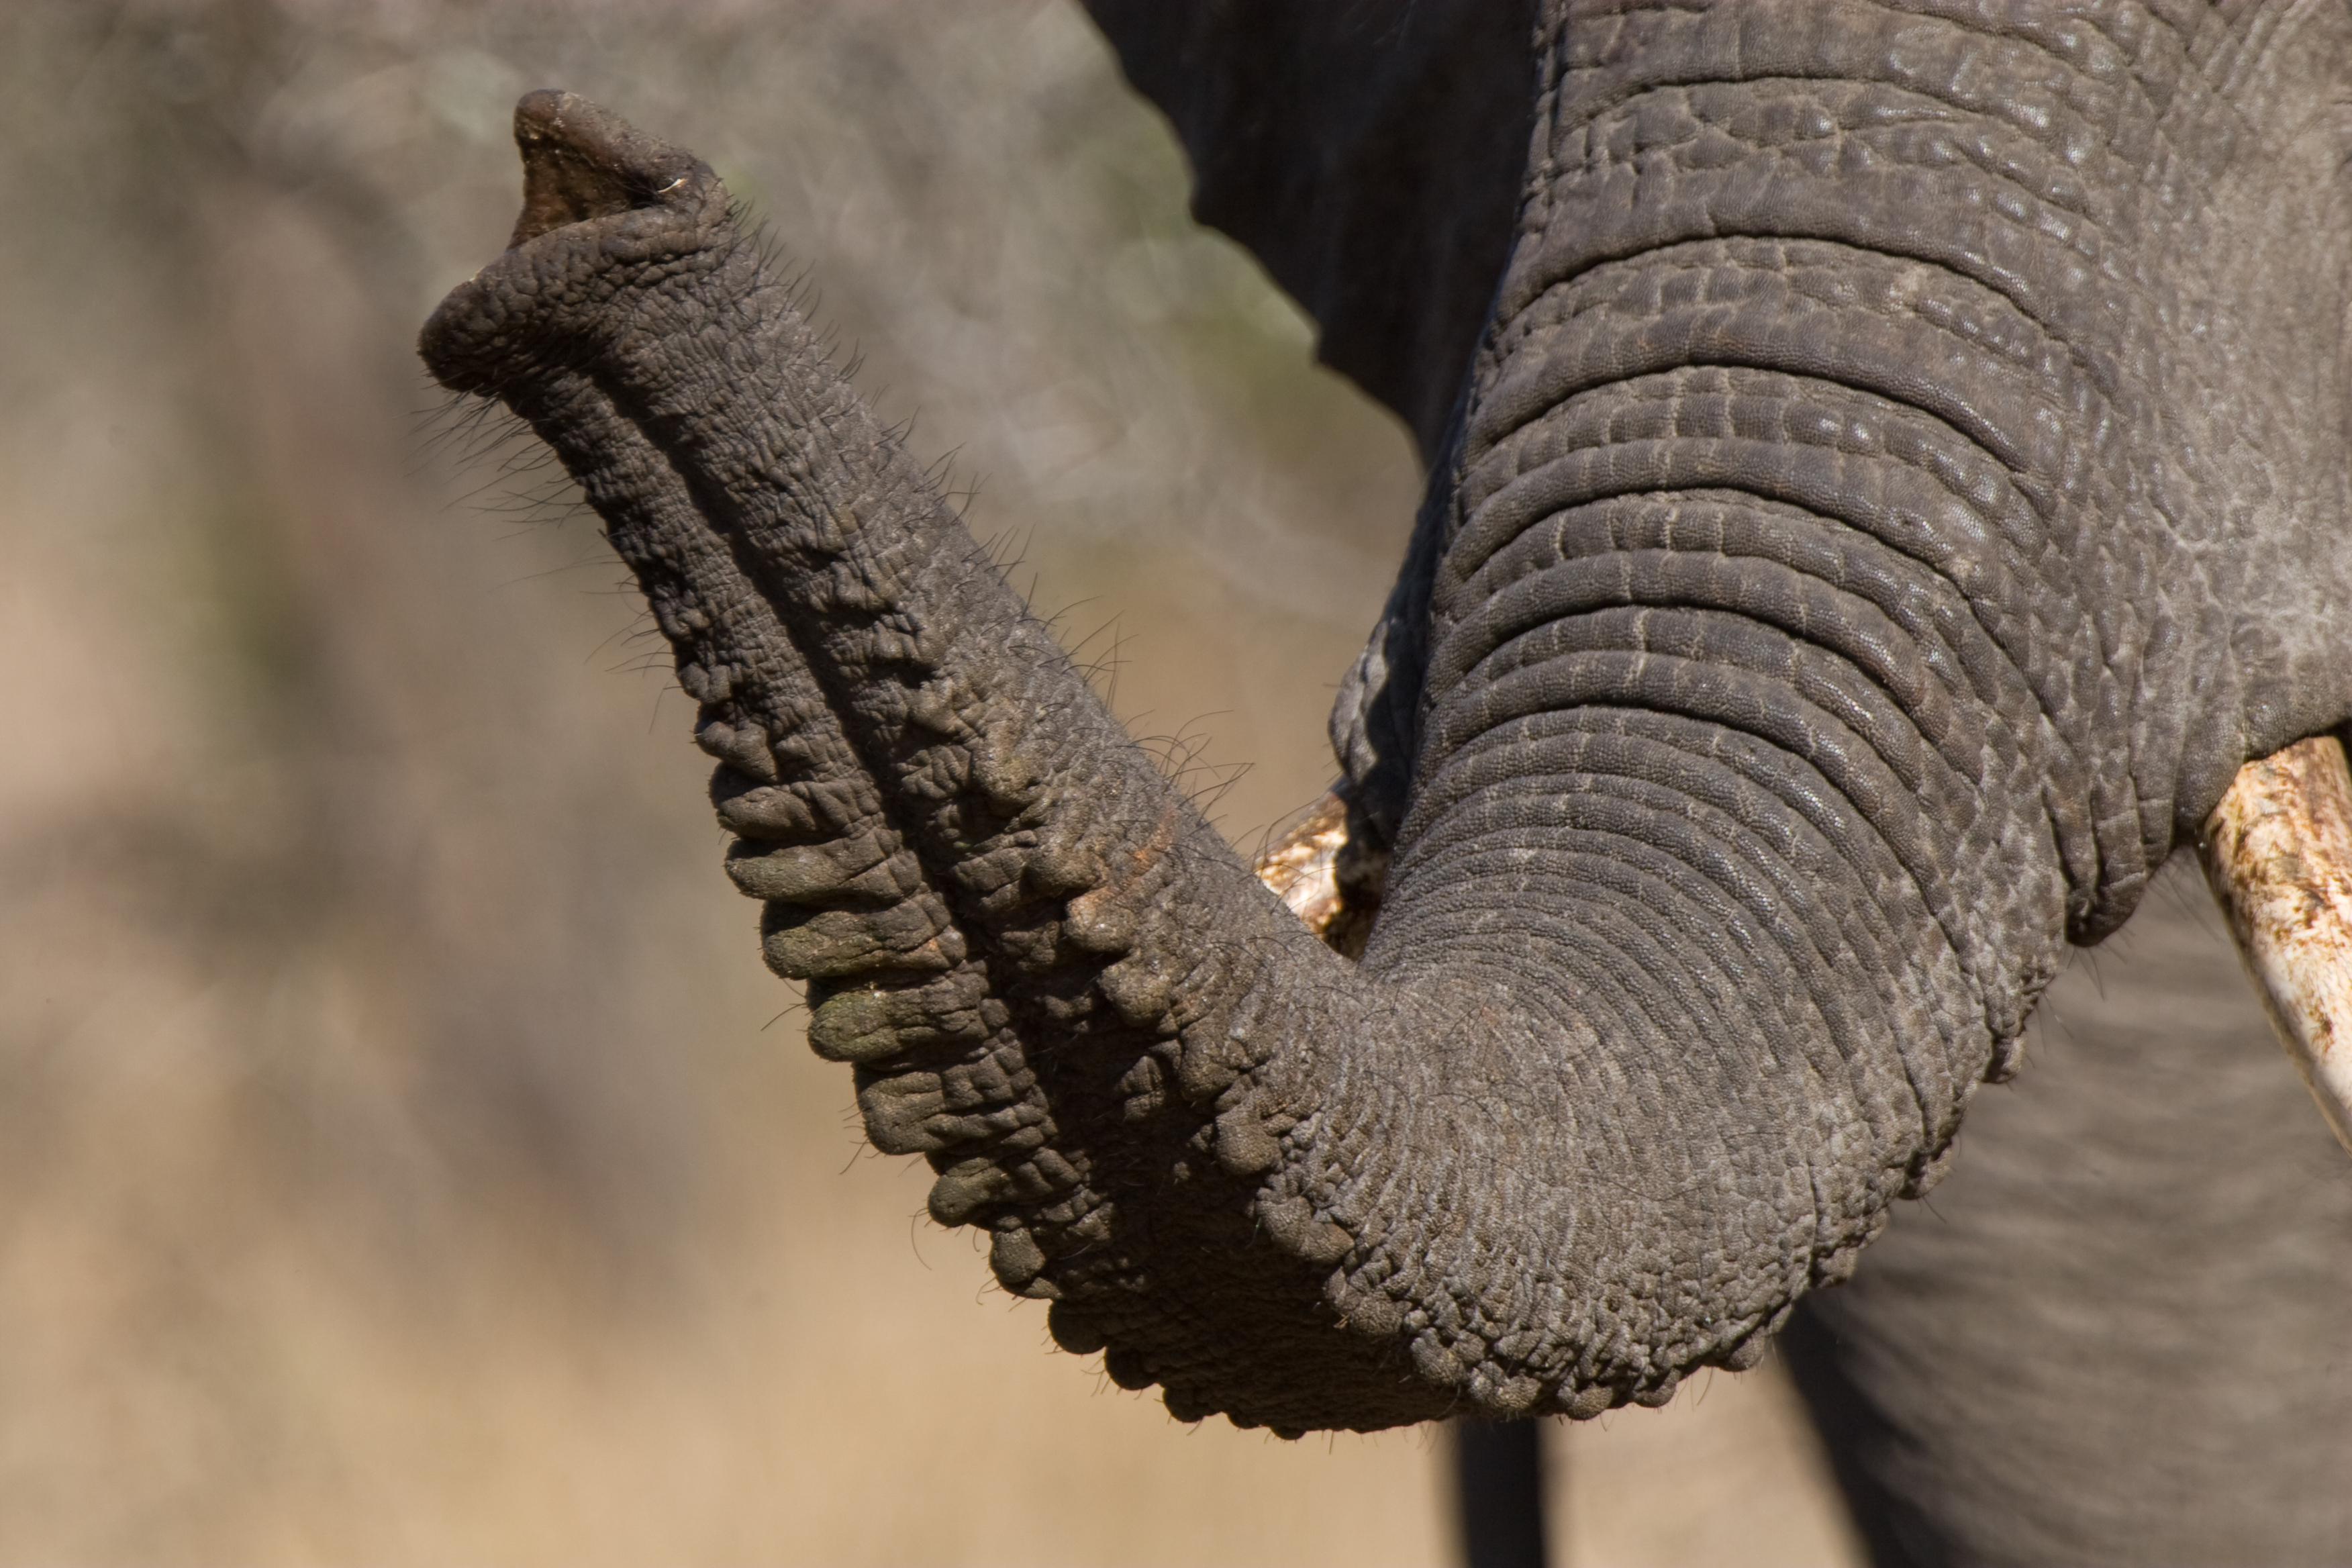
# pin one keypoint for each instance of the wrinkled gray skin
(1897, 481)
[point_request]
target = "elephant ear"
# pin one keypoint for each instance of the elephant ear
(1368, 152)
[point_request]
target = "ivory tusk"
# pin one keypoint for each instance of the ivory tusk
(1302, 867)
(2278, 855)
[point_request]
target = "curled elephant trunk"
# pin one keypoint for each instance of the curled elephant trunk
(1052, 978)
(1741, 743)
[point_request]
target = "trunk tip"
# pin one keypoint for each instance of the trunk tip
(581, 162)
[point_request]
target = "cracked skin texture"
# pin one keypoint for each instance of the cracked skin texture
(1817, 618)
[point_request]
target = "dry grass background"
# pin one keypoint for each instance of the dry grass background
(403, 1156)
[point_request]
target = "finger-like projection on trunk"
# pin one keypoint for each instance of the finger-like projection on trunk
(1836, 592)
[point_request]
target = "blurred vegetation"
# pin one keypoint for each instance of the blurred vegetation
(406, 1156)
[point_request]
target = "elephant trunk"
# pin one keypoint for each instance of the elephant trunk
(1043, 964)
(1752, 800)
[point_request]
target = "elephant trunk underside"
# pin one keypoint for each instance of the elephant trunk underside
(1749, 726)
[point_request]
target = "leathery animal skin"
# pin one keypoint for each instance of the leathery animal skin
(1898, 485)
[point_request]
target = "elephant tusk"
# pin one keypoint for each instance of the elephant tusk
(2278, 855)
(1302, 868)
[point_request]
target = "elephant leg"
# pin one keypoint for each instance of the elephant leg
(2121, 1330)
(1499, 1477)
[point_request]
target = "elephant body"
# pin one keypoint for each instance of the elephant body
(1886, 477)
(2117, 1331)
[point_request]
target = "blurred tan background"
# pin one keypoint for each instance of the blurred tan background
(404, 1155)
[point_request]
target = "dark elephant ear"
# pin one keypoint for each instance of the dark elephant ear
(1368, 151)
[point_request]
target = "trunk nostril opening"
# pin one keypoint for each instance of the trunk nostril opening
(582, 162)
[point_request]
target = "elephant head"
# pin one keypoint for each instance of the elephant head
(1899, 482)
